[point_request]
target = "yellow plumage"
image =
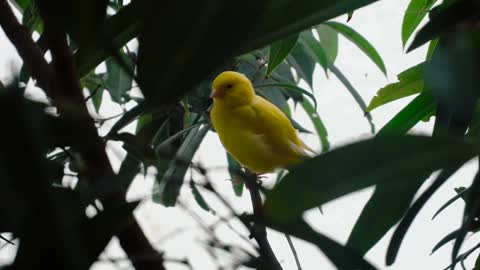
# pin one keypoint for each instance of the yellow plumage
(253, 130)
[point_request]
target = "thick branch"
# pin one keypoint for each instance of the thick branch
(60, 81)
(259, 232)
(135, 244)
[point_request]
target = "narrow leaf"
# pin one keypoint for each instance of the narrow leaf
(360, 41)
(236, 175)
(410, 82)
(416, 11)
(171, 182)
(412, 212)
(316, 49)
(431, 49)
(408, 117)
(318, 124)
(301, 61)
(118, 81)
(329, 40)
(290, 87)
(342, 257)
(459, 195)
(354, 94)
(199, 198)
(279, 50)
(443, 19)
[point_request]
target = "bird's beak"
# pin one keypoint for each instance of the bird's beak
(216, 93)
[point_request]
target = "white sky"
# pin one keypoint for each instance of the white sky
(380, 23)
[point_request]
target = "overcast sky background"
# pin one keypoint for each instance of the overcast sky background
(380, 23)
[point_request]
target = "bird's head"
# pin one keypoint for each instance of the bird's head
(232, 89)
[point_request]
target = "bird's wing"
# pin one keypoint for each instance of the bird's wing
(277, 129)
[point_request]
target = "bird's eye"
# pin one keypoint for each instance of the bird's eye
(229, 86)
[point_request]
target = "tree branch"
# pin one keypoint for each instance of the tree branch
(259, 232)
(60, 81)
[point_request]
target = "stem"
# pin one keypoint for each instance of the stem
(294, 251)
(259, 232)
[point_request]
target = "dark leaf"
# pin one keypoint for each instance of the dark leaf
(171, 182)
(301, 61)
(118, 80)
(444, 19)
(449, 237)
(412, 212)
(460, 194)
(236, 175)
(390, 158)
(342, 257)
(315, 49)
(472, 208)
(199, 198)
(289, 87)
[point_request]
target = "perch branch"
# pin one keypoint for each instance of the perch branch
(259, 232)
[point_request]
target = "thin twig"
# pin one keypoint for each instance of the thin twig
(294, 251)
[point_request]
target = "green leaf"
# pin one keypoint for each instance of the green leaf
(349, 16)
(390, 158)
(431, 49)
(316, 50)
(318, 124)
(444, 19)
(342, 257)
(416, 11)
(412, 212)
(297, 126)
(279, 50)
(236, 175)
(460, 194)
(303, 64)
(31, 18)
(94, 83)
(421, 106)
(354, 94)
(329, 40)
(118, 81)
(410, 82)
(171, 182)
(289, 87)
(360, 41)
(199, 198)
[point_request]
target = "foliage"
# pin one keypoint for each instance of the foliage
(277, 44)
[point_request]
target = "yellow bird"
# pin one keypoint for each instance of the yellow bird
(253, 130)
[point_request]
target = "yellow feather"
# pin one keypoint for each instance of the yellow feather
(253, 130)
